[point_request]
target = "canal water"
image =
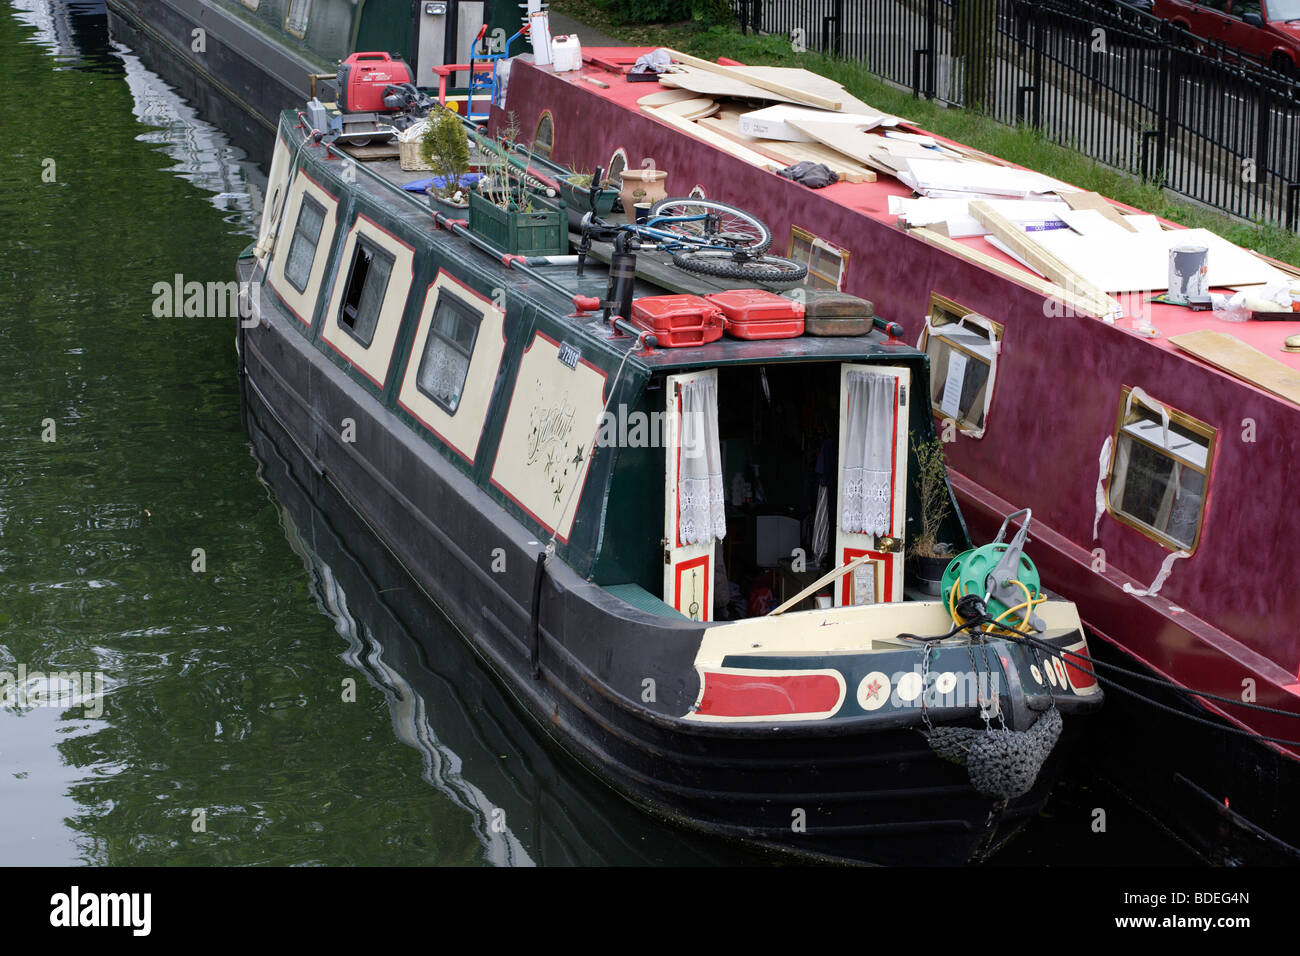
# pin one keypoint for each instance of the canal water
(264, 696)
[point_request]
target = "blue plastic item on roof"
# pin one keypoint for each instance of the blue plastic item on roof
(422, 185)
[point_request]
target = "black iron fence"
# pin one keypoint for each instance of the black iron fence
(1096, 76)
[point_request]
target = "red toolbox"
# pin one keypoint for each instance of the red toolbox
(678, 321)
(362, 78)
(755, 314)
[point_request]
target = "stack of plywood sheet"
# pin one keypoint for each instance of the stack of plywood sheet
(1085, 248)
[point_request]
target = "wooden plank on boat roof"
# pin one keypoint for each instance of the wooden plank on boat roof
(761, 81)
(869, 149)
(1039, 258)
(715, 139)
(1230, 354)
(1078, 304)
(665, 96)
(791, 153)
(700, 83)
(801, 79)
(691, 109)
(366, 154)
(1080, 199)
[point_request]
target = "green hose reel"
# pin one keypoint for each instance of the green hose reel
(973, 568)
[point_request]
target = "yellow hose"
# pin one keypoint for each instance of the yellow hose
(1030, 602)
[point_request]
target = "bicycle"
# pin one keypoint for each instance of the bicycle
(702, 235)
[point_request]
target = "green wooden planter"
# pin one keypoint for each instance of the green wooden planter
(543, 232)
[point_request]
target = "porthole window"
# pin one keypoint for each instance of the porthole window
(364, 296)
(963, 349)
(617, 163)
(826, 263)
(1159, 471)
(296, 20)
(544, 137)
(447, 351)
(276, 196)
(302, 250)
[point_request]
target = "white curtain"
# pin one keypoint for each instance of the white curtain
(701, 514)
(868, 454)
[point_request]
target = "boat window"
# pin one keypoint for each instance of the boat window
(367, 283)
(299, 14)
(826, 263)
(962, 347)
(544, 138)
(447, 351)
(302, 250)
(617, 163)
(1159, 470)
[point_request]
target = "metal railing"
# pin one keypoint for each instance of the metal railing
(1095, 76)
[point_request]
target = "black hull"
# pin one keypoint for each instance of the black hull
(451, 707)
(257, 74)
(868, 792)
(1229, 798)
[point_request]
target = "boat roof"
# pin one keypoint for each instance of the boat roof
(385, 182)
(872, 200)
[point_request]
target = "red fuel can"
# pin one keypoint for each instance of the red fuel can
(756, 314)
(362, 78)
(678, 321)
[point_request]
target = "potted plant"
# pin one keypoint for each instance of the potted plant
(930, 556)
(576, 189)
(505, 212)
(445, 147)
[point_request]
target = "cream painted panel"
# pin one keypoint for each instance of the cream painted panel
(463, 429)
(548, 436)
(277, 184)
(372, 362)
(303, 303)
(857, 628)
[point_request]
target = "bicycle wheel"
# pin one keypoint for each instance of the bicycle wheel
(725, 225)
(740, 265)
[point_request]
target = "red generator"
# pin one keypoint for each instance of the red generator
(678, 321)
(362, 78)
(755, 314)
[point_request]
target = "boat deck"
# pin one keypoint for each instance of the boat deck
(656, 275)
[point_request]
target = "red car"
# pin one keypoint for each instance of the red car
(1266, 30)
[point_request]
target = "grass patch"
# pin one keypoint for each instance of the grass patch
(1025, 146)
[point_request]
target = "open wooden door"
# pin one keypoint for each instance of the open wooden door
(690, 533)
(871, 498)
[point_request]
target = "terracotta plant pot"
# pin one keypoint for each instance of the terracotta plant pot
(642, 185)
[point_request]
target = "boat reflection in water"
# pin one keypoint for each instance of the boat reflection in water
(527, 802)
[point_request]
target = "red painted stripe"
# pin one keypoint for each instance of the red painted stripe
(893, 463)
(700, 562)
(753, 695)
(1080, 673)
(887, 572)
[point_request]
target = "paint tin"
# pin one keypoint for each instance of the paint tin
(1188, 272)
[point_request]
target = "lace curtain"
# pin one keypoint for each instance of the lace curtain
(443, 372)
(701, 514)
(868, 454)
